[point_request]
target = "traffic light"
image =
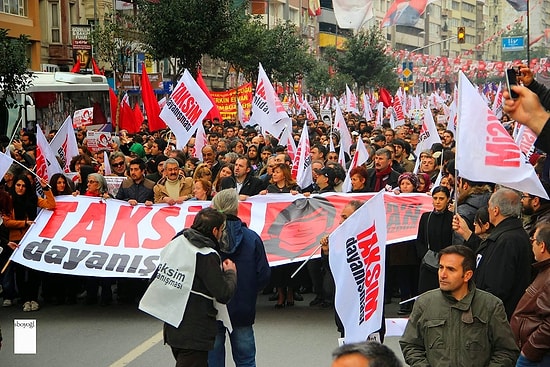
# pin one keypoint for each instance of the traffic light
(461, 34)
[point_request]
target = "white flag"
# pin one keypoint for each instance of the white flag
(5, 163)
(342, 128)
(379, 115)
(46, 162)
(267, 109)
(357, 258)
(64, 144)
(352, 14)
(367, 111)
(485, 150)
(351, 101)
(186, 108)
(301, 166)
(361, 156)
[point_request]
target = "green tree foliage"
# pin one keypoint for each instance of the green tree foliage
(283, 54)
(317, 81)
(288, 58)
(185, 29)
(115, 41)
(365, 61)
(15, 77)
(246, 46)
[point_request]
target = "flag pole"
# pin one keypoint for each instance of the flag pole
(31, 171)
(305, 262)
(458, 112)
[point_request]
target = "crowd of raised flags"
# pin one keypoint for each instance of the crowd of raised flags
(485, 151)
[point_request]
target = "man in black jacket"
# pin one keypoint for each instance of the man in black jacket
(504, 258)
(243, 180)
(195, 335)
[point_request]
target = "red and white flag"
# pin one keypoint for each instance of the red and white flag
(398, 111)
(106, 164)
(186, 108)
(428, 135)
(267, 109)
(498, 102)
(361, 156)
(301, 165)
(241, 114)
(200, 141)
(357, 258)
(485, 150)
(310, 113)
(342, 128)
(351, 101)
(46, 162)
(287, 141)
(525, 139)
(64, 144)
(367, 110)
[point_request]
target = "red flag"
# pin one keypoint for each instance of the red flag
(150, 103)
(113, 99)
(127, 121)
(95, 68)
(138, 116)
(214, 112)
(76, 68)
(385, 97)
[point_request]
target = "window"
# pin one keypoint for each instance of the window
(54, 26)
(15, 7)
(456, 5)
(468, 7)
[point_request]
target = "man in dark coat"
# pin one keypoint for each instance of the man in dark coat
(382, 174)
(195, 335)
(504, 258)
(244, 247)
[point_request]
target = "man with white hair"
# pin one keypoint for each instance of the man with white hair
(245, 248)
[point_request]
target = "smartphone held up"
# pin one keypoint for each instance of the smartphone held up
(511, 79)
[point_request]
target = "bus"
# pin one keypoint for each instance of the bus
(55, 96)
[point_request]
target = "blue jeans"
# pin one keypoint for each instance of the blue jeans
(243, 347)
(524, 362)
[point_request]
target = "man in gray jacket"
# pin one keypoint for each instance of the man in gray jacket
(457, 324)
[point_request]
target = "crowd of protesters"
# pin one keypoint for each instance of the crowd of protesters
(488, 218)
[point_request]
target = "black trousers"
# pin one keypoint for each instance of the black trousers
(190, 358)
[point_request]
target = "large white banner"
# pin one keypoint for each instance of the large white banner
(110, 238)
(187, 106)
(357, 258)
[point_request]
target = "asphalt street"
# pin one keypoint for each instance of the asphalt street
(121, 335)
